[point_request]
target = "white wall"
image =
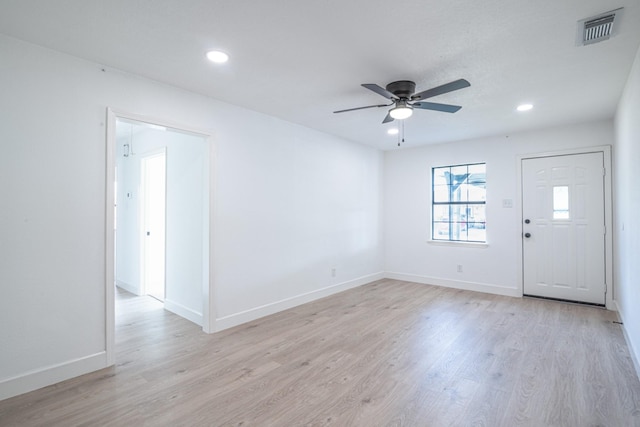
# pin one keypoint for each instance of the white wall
(627, 209)
(290, 204)
(186, 230)
(491, 268)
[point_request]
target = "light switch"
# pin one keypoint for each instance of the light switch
(507, 203)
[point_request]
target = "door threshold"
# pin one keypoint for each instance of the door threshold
(592, 304)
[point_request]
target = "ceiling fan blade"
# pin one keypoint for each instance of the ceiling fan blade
(449, 87)
(379, 90)
(445, 108)
(388, 118)
(362, 108)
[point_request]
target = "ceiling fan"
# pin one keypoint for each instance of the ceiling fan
(405, 100)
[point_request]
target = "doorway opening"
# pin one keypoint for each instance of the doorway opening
(158, 218)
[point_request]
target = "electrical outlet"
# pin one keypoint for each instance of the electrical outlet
(333, 272)
(459, 268)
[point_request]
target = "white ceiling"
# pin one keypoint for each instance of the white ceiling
(301, 60)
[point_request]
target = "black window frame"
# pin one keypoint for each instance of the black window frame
(469, 204)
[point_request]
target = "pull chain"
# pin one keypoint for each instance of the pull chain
(401, 134)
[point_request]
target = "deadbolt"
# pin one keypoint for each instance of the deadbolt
(527, 221)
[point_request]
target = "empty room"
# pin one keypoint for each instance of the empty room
(341, 213)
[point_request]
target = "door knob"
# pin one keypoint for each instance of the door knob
(527, 235)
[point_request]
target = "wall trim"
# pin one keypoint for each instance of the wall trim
(183, 311)
(455, 284)
(53, 374)
(635, 356)
(275, 307)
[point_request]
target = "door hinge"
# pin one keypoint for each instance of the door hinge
(604, 171)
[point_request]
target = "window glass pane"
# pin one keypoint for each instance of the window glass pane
(476, 225)
(476, 213)
(439, 176)
(561, 198)
(459, 230)
(441, 231)
(461, 193)
(441, 193)
(561, 202)
(478, 172)
(441, 213)
(458, 178)
(476, 234)
(478, 192)
(458, 213)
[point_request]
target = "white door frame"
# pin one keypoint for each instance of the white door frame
(608, 214)
(208, 309)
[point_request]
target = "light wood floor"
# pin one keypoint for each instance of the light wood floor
(387, 354)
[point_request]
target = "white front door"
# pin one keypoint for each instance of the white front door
(563, 241)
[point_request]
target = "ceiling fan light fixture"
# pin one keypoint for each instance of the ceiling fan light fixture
(401, 112)
(392, 131)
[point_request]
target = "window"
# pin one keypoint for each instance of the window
(561, 202)
(458, 203)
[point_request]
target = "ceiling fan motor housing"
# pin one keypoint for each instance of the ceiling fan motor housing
(402, 88)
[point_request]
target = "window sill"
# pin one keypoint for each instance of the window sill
(458, 244)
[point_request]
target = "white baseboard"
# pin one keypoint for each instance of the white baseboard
(183, 311)
(635, 356)
(456, 284)
(267, 309)
(128, 287)
(39, 378)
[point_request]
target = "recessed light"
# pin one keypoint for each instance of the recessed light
(524, 107)
(217, 56)
(392, 131)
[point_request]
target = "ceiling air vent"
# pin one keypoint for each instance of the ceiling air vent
(598, 28)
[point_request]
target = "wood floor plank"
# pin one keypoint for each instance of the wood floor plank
(390, 353)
